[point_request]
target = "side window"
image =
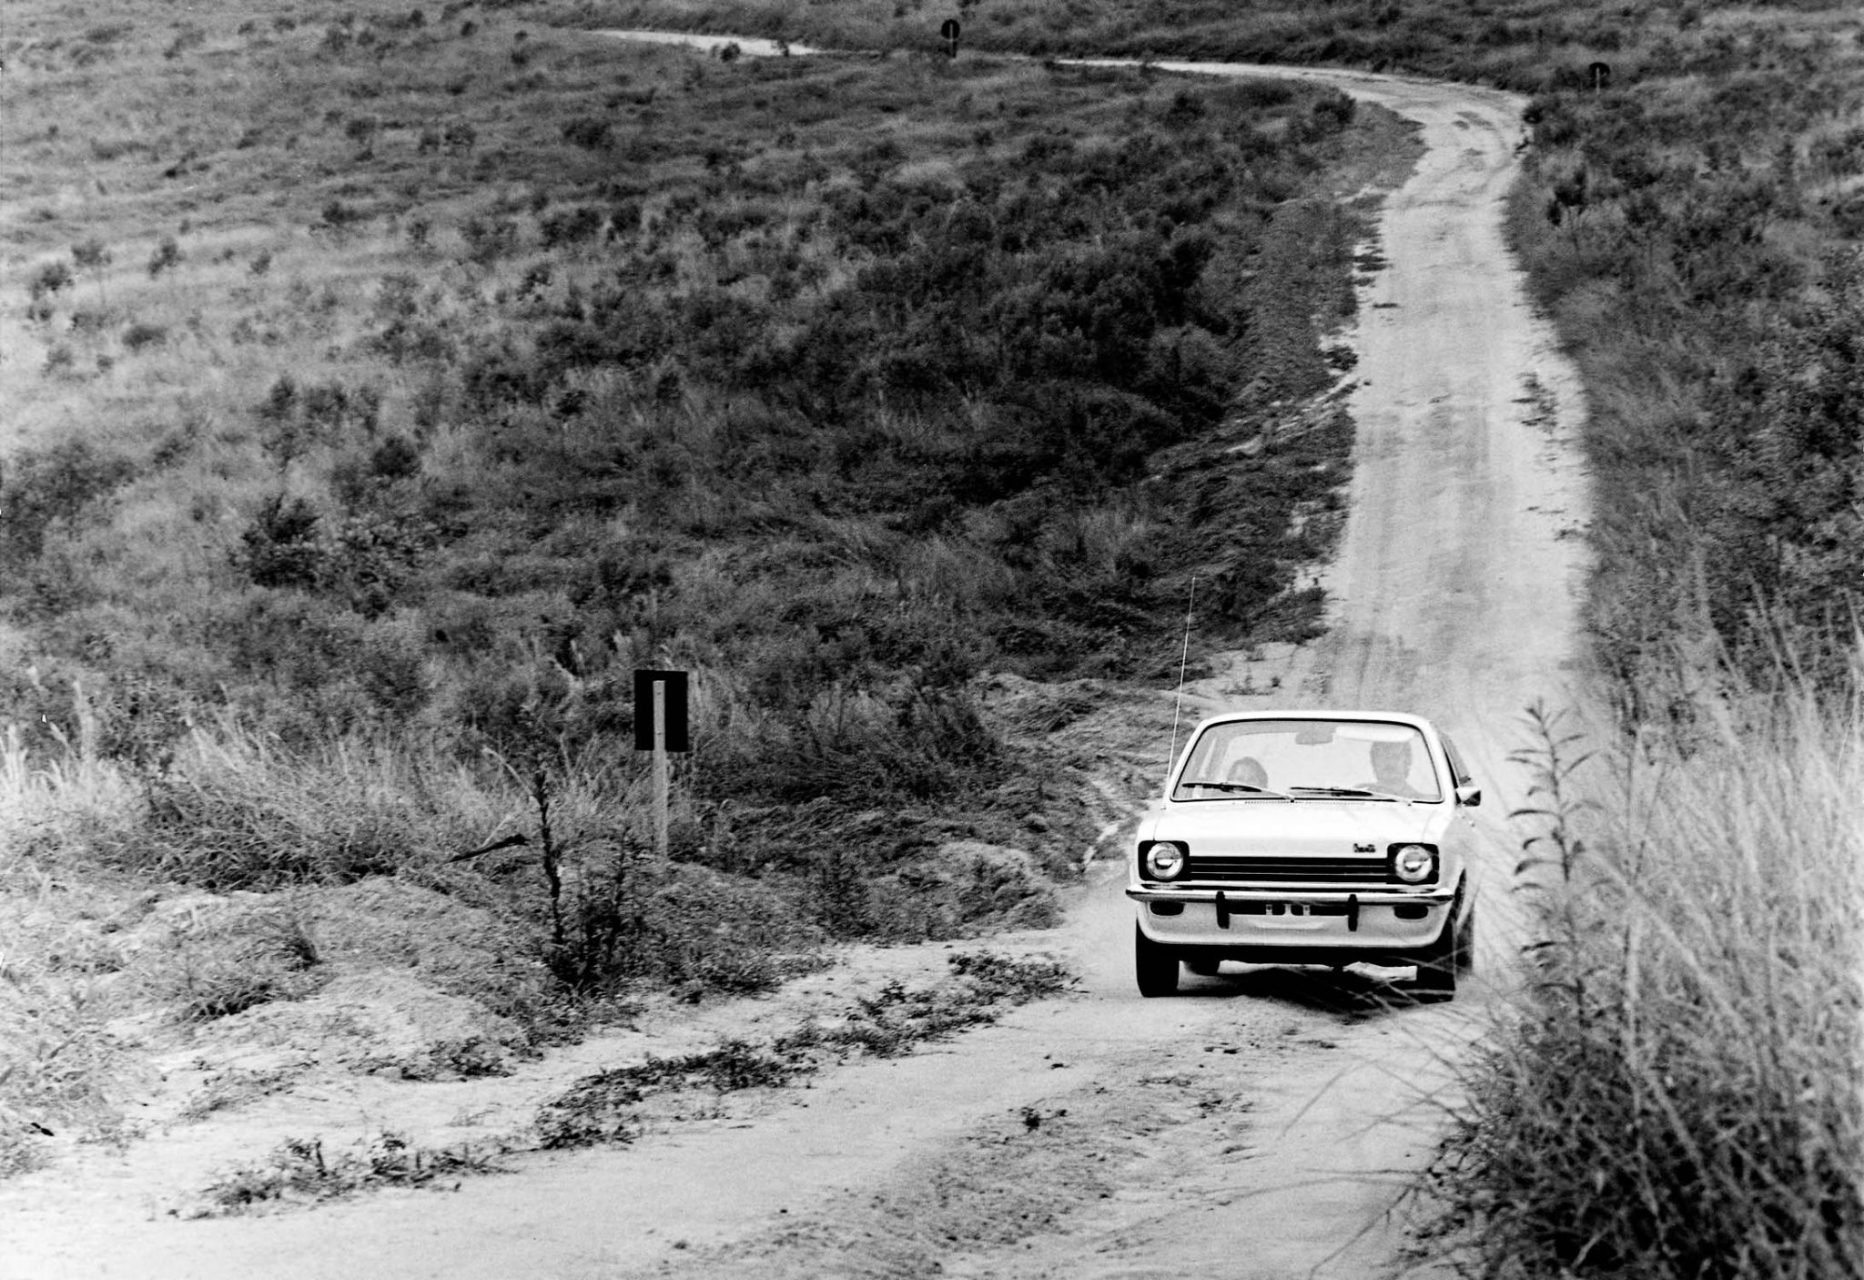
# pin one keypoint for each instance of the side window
(1457, 770)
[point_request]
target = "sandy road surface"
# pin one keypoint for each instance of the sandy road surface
(1260, 1126)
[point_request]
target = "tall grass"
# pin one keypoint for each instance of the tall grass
(57, 1058)
(239, 810)
(1680, 1093)
(42, 792)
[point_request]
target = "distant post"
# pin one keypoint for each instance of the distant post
(948, 31)
(1600, 75)
(660, 726)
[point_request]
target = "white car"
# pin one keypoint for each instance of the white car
(1308, 837)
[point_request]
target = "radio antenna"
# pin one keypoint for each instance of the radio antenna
(1184, 657)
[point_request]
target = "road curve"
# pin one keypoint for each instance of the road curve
(1260, 1126)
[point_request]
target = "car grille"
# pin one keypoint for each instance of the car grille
(1290, 870)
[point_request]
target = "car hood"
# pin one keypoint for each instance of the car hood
(1318, 827)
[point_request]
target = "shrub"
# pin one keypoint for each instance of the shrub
(166, 257)
(141, 335)
(295, 419)
(489, 239)
(49, 280)
(572, 226)
(52, 488)
(280, 547)
(396, 458)
(339, 216)
(91, 255)
(592, 133)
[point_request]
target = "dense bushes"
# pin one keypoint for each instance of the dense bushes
(48, 489)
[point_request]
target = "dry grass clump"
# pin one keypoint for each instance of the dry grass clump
(226, 961)
(1679, 1095)
(300, 1172)
(60, 1068)
(239, 810)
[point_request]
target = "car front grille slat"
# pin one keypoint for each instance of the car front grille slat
(1290, 870)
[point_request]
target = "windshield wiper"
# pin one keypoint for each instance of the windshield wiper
(1353, 793)
(1248, 787)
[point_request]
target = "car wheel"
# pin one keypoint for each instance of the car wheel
(1155, 966)
(1465, 956)
(1436, 968)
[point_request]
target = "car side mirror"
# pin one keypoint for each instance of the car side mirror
(1471, 796)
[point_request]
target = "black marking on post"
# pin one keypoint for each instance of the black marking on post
(678, 737)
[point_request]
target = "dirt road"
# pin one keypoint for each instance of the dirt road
(1261, 1125)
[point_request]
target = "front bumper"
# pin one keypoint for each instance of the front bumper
(1294, 921)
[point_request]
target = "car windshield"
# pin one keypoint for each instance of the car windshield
(1308, 759)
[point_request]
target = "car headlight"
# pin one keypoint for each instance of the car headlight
(1413, 863)
(1163, 860)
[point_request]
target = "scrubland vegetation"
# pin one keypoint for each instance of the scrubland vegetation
(385, 385)
(388, 384)
(1680, 1093)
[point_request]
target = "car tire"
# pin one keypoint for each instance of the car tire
(1465, 954)
(1437, 967)
(1154, 966)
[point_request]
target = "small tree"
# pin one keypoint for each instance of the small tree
(93, 256)
(44, 286)
(166, 257)
(48, 280)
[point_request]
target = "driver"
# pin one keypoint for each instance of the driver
(1391, 770)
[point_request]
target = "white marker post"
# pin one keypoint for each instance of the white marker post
(660, 727)
(662, 784)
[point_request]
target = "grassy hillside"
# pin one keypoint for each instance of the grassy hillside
(1679, 1093)
(479, 379)
(384, 386)
(1691, 222)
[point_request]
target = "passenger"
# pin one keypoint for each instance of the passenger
(1249, 770)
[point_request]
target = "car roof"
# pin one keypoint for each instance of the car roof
(1401, 717)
